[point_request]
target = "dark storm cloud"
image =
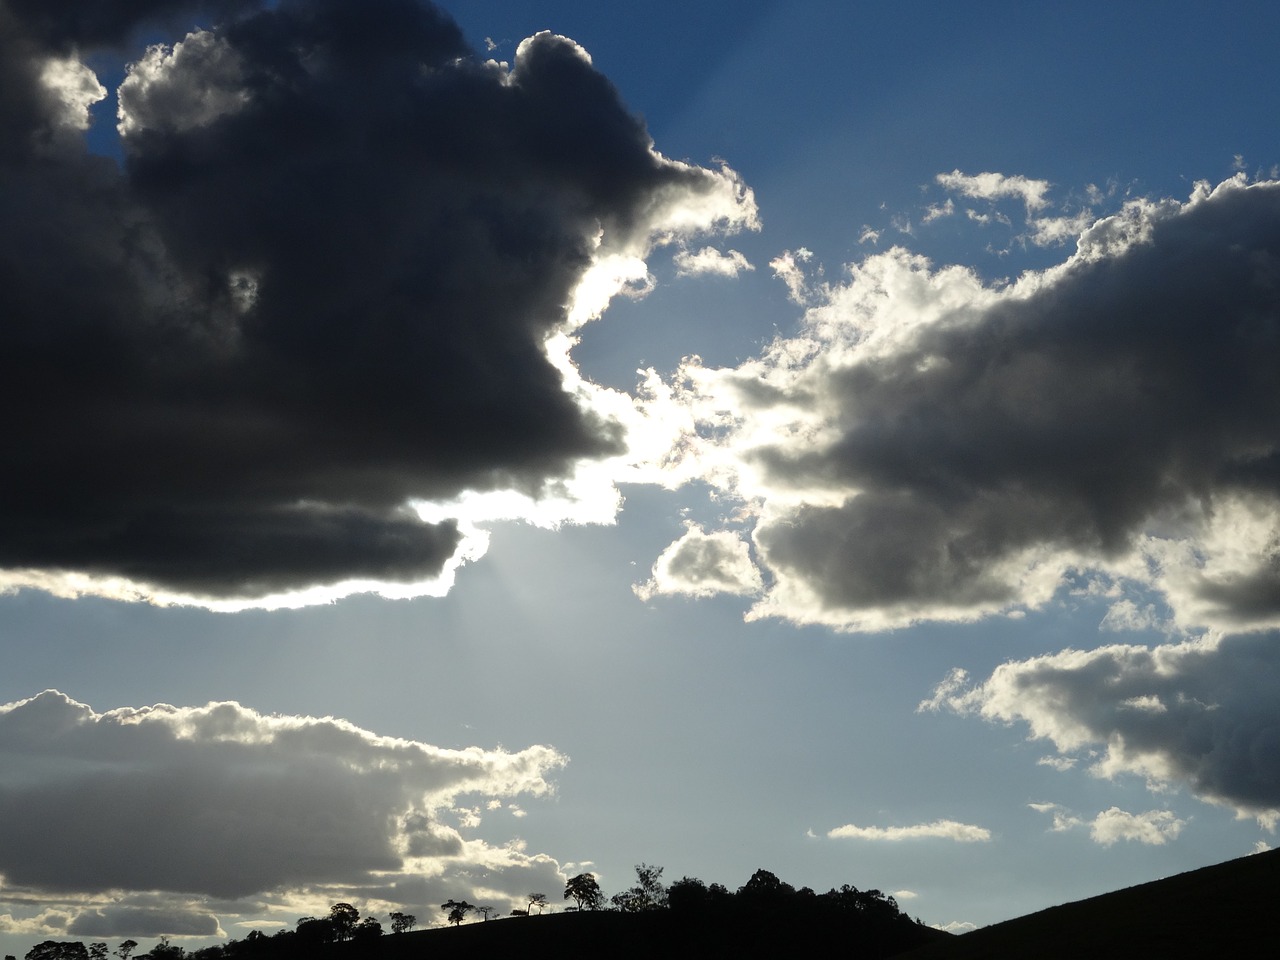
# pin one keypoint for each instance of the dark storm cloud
(223, 801)
(318, 289)
(106, 22)
(123, 921)
(1202, 714)
(958, 448)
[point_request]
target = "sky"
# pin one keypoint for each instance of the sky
(453, 448)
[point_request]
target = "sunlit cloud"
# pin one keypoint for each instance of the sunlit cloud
(1154, 828)
(931, 446)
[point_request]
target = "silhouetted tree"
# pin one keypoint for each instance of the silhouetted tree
(366, 930)
(343, 917)
(688, 895)
(766, 886)
(584, 890)
(485, 911)
(98, 951)
(403, 922)
(164, 950)
(126, 948)
(647, 894)
(538, 900)
(311, 931)
(456, 910)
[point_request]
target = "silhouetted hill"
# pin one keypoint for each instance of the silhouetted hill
(1220, 911)
(609, 935)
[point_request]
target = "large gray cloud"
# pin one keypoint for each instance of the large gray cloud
(320, 288)
(930, 446)
(225, 802)
(1201, 714)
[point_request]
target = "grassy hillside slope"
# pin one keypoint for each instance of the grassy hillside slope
(1221, 911)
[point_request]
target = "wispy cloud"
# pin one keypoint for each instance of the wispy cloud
(709, 260)
(938, 829)
(997, 186)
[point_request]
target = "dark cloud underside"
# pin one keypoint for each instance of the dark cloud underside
(320, 287)
(1130, 395)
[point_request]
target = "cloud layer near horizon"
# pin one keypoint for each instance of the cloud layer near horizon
(169, 807)
(933, 447)
(321, 288)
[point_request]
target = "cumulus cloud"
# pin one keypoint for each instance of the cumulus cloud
(1154, 828)
(702, 564)
(938, 829)
(191, 803)
(930, 446)
(329, 289)
(1201, 714)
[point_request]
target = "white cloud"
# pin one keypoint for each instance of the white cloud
(901, 895)
(997, 186)
(955, 926)
(938, 829)
(1154, 828)
(712, 261)
(1049, 231)
(195, 806)
(938, 210)
(1063, 821)
(1057, 763)
(700, 564)
(189, 85)
(76, 88)
(1201, 714)
(787, 267)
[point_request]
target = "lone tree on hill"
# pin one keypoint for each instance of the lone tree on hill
(584, 890)
(538, 900)
(457, 910)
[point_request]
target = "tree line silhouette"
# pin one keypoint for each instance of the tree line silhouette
(764, 907)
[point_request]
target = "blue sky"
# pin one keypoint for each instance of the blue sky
(947, 569)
